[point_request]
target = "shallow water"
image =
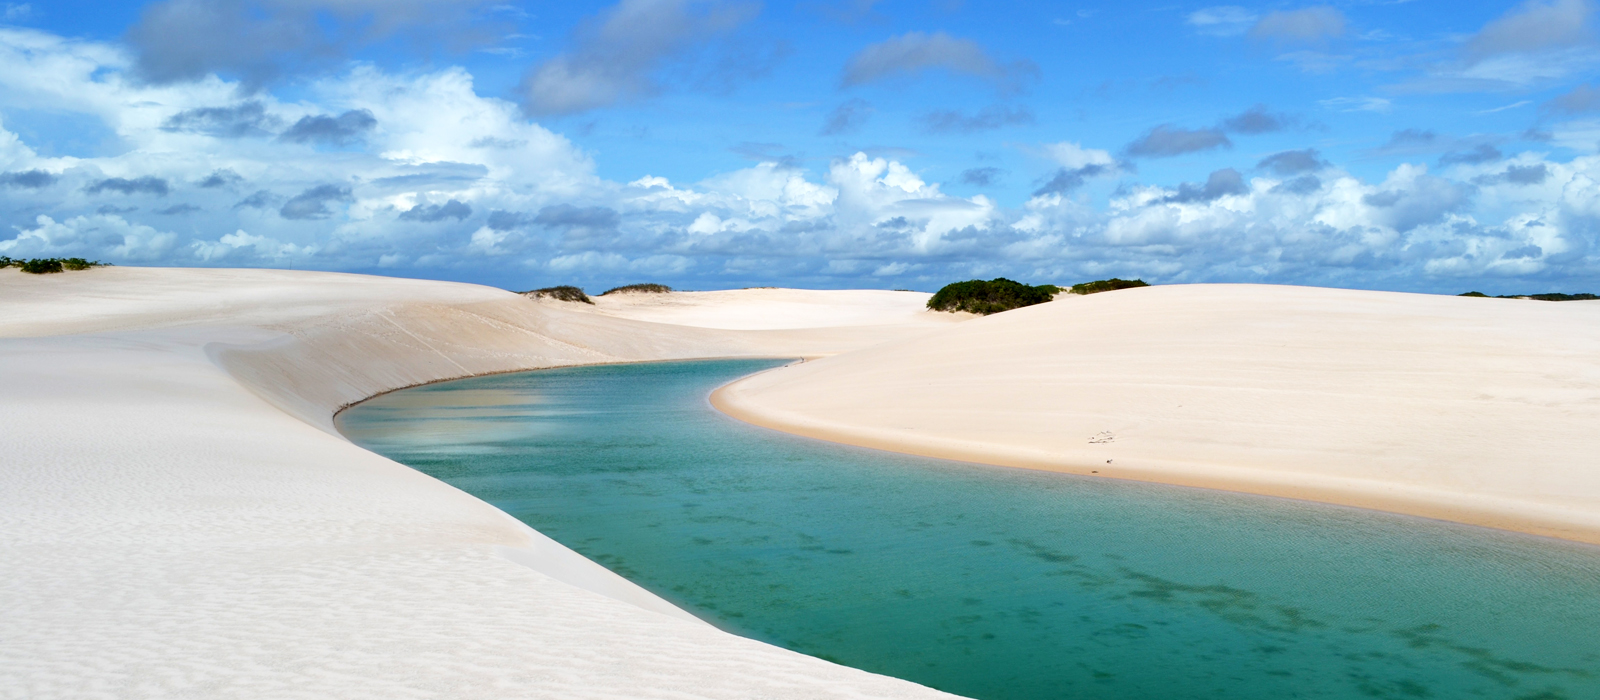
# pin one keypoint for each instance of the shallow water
(993, 582)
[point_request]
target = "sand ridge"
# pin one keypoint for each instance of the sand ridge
(178, 517)
(767, 308)
(1475, 410)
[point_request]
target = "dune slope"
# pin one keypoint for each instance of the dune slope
(1475, 410)
(179, 519)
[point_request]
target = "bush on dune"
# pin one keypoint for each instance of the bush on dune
(44, 266)
(1109, 285)
(1539, 297)
(991, 297)
(561, 293)
(638, 289)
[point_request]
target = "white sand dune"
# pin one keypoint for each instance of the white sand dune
(764, 308)
(1484, 411)
(179, 519)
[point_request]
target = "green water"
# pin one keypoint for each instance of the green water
(1000, 583)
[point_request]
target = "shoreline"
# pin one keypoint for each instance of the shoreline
(1446, 408)
(1497, 514)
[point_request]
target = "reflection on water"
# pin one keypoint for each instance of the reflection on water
(1000, 583)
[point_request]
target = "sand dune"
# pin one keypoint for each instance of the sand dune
(178, 518)
(1476, 410)
(769, 308)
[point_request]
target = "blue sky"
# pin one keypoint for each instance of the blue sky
(1423, 145)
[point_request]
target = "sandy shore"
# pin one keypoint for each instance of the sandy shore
(178, 517)
(1481, 411)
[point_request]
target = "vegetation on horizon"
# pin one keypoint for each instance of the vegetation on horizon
(647, 288)
(991, 297)
(44, 266)
(565, 292)
(1109, 285)
(1540, 297)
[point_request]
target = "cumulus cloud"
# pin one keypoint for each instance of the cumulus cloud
(1287, 163)
(179, 210)
(148, 184)
(1476, 155)
(1257, 120)
(847, 118)
(1412, 140)
(1533, 26)
(99, 236)
(28, 179)
(986, 119)
(260, 41)
(567, 216)
(343, 130)
(221, 177)
(431, 213)
(260, 199)
(1581, 100)
(1305, 25)
(540, 207)
(238, 121)
(981, 177)
(1410, 198)
(614, 57)
(313, 203)
(1167, 140)
(915, 53)
(1524, 175)
(1079, 165)
(1222, 20)
(1068, 179)
(1219, 184)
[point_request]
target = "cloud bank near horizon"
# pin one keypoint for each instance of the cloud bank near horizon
(415, 172)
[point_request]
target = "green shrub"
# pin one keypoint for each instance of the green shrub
(1540, 297)
(561, 293)
(991, 297)
(1109, 285)
(638, 289)
(44, 266)
(41, 266)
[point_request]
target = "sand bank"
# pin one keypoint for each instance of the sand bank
(179, 519)
(1480, 411)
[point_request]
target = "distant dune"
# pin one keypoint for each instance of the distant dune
(1483, 411)
(178, 517)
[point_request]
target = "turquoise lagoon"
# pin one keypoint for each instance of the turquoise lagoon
(1000, 583)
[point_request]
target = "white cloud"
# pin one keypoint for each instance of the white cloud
(1310, 24)
(1073, 156)
(1222, 20)
(1358, 104)
(614, 58)
(914, 53)
(531, 203)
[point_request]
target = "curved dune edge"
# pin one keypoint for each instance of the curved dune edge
(179, 517)
(1510, 390)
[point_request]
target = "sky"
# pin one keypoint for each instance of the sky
(1424, 146)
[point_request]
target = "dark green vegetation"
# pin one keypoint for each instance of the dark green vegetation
(1109, 285)
(991, 297)
(1540, 297)
(41, 266)
(638, 289)
(562, 293)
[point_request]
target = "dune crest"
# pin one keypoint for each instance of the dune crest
(1480, 411)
